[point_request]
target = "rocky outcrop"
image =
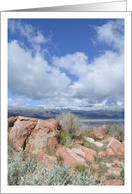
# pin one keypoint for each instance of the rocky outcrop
(21, 130)
(11, 121)
(38, 140)
(69, 157)
(115, 148)
(34, 134)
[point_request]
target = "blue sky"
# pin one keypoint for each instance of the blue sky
(66, 62)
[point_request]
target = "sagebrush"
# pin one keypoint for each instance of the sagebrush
(29, 173)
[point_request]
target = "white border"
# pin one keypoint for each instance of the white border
(61, 189)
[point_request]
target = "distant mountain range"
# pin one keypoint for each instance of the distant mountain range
(44, 112)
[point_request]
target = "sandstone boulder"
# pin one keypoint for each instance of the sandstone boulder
(49, 160)
(89, 153)
(115, 148)
(11, 121)
(41, 134)
(78, 151)
(69, 157)
(98, 133)
(53, 144)
(34, 134)
(21, 130)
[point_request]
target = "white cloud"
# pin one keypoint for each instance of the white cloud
(28, 31)
(16, 102)
(74, 63)
(33, 77)
(100, 82)
(111, 33)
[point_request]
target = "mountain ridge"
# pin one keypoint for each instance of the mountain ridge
(43, 112)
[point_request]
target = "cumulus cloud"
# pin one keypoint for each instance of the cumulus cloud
(33, 77)
(98, 84)
(112, 33)
(102, 80)
(16, 102)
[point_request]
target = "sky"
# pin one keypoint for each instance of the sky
(66, 62)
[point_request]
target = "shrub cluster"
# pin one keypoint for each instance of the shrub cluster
(69, 122)
(117, 132)
(28, 173)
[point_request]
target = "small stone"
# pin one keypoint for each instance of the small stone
(114, 170)
(98, 144)
(89, 139)
(103, 153)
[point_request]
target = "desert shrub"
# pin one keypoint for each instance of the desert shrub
(121, 176)
(28, 173)
(48, 151)
(69, 122)
(60, 160)
(81, 168)
(117, 131)
(97, 160)
(65, 139)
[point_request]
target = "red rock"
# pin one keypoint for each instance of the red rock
(49, 160)
(89, 153)
(43, 131)
(52, 142)
(123, 143)
(21, 130)
(11, 121)
(115, 148)
(118, 163)
(78, 151)
(103, 129)
(110, 139)
(69, 157)
(114, 182)
(79, 142)
(115, 170)
(98, 133)
(34, 134)
(103, 153)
